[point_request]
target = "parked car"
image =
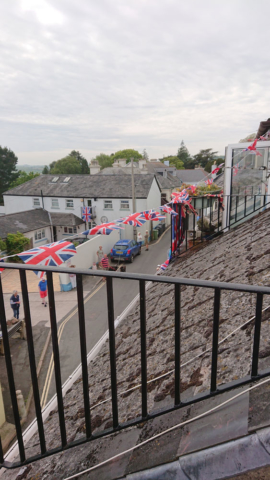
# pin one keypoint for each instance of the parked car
(125, 250)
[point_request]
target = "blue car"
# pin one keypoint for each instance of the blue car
(125, 250)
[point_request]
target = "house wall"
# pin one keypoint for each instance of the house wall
(87, 255)
(42, 241)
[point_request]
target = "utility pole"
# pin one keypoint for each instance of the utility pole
(133, 197)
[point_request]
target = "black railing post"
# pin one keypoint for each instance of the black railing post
(143, 348)
(215, 340)
(218, 210)
(177, 373)
(229, 200)
(10, 375)
(56, 358)
(112, 351)
(202, 199)
(210, 223)
(194, 226)
(32, 360)
(257, 333)
(254, 204)
(245, 208)
(83, 355)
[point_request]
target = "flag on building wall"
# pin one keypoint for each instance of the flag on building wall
(86, 214)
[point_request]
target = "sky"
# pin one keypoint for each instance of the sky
(102, 76)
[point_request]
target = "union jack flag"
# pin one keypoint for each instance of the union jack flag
(252, 148)
(209, 181)
(86, 214)
(103, 229)
(193, 188)
(151, 215)
(53, 254)
(180, 197)
(42, 274)
(164, 265)
(167, 209)
(133, 219)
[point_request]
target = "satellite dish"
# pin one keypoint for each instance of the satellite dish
(104, 219)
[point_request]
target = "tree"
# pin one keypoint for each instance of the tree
(249, 138)
(183, 153)
(8, 172)
(16, 243)
(67, 166)
(145, 155)
(174, 161)
(204, 156)
(46, 170)
(127, 154)
(23, 177)
(104, 160)
(82, 161)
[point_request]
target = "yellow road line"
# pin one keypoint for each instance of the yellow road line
(51, 364)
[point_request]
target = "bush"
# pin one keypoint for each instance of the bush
(205, 226)
(16, 243)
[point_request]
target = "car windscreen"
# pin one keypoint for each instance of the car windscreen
(120, 247)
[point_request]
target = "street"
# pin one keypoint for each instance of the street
(96, 317)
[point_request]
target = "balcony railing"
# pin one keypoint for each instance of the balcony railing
(214, 388)
(213, 221)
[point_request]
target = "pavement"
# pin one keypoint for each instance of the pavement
(67, 319)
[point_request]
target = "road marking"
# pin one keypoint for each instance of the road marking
(48, 379)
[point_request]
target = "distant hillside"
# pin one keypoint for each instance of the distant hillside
(31, 168)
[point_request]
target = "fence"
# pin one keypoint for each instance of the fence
(217, 287)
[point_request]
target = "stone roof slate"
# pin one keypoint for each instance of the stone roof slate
(85, 186)
(191, 175)
(35, 219)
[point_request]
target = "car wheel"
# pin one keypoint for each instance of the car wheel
(131, 259)
(140, 251)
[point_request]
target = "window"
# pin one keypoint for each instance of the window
(124, 205)
(65, 229)
(66, 180)
(39, 234)
(55, 203)
(69, 203)
(108, 205)
(54, 180)
(74, 229)
(89, 203)
(36, 202)
(70, 230)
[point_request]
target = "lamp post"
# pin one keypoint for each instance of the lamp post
(133, 197)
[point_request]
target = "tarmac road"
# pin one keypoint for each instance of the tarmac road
(96, 317)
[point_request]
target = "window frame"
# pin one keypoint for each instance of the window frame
(36, 199)
(108, 207)
(123, 203)
(69, 207)
(55, 200)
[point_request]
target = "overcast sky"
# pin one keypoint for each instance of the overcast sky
(100, 76)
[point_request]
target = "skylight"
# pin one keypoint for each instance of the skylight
(66, 180)
(54, 180)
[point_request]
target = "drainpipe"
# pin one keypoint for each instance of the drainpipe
(50, 218)
(42, 199)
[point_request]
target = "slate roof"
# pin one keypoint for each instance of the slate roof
(191, 175)
(85, 186)
(119, 171)
(238, 256)
(35, 219)
(170, 182)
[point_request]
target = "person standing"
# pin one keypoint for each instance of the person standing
(105, 263)
(15, 304)
(43, 291)
(146, 240)
(139, 238)
(100, 255)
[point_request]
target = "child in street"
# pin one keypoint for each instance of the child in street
(105, 264)
(43, 291)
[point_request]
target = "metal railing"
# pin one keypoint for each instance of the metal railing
(214, 389)
(238, 208)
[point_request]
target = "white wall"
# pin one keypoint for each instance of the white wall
(42, 241)
(87, 254)
(2, 210)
